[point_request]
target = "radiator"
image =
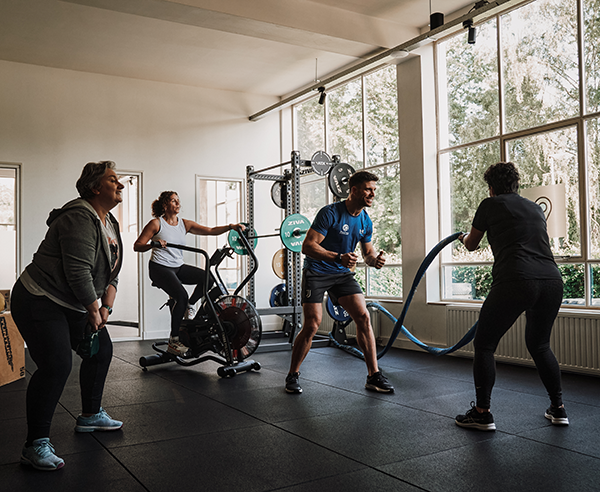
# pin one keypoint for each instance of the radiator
(575, 339)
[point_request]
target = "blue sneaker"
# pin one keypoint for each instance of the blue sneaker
(99, 422)
(41, 456)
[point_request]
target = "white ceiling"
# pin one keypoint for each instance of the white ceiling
(264, 47)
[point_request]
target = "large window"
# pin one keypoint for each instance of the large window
(8, 225)
(218, 202)
(359, 122)
(517, 95)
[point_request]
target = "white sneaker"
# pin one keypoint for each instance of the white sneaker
(176, 347)
(190, 312)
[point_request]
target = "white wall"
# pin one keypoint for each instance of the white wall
(418, 184)
(54, 121)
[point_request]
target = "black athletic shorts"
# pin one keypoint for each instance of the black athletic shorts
(337, 285)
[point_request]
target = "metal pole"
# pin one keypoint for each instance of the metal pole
(250, 218)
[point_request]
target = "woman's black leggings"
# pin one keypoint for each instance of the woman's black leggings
(540, 300)
(51, 331)
(171, 280)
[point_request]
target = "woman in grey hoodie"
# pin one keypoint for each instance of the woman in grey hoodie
(56, 301)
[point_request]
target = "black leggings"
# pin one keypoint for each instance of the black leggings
(541, 300)
(51, 331)
(171, 280)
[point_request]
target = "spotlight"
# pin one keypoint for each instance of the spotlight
(436, 20)
(322, 96)
(472, 31)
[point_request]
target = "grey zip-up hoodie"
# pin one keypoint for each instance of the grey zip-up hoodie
(73, 261)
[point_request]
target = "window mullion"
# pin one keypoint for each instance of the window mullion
(500, 87)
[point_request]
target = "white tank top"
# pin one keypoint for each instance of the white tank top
(170, 257)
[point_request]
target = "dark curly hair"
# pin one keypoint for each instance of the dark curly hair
(159, 205)
(361, 177)
(502, 177)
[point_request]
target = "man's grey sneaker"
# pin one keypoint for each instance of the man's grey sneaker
(558, 416)
(41, 456)
(291, 383)
(475, 420)
(99, 422)
(378, 382)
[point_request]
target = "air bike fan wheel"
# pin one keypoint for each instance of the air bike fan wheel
(242, 324)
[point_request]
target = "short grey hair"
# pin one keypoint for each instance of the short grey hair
(90, 177)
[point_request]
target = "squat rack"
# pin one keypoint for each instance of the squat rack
(338, 175)
(293, 269)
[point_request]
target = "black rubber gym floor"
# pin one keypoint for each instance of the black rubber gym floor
(188, 429)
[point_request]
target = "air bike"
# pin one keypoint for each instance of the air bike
(226, 325)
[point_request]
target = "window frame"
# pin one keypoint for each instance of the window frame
(330, 198)
(18, 210)
(579, 122)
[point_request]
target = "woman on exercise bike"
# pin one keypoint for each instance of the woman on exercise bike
(166, 267)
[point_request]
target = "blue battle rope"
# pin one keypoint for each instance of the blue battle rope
(399, 327)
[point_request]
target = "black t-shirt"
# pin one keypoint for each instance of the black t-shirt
(516, 231)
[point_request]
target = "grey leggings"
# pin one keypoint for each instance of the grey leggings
(540, 300)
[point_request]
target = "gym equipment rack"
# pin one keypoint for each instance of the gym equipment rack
(292, 313)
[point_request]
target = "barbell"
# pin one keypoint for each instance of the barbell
(292, 233)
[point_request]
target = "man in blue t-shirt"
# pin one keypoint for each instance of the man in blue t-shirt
(329, 254)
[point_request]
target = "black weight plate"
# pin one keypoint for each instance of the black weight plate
(338, 179)
(320, 163)
(278, 296)
(279, 194)
(338, 313)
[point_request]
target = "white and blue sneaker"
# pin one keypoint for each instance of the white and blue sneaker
(41, 456)
(99, 422)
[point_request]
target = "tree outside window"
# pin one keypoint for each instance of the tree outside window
(368, 102)
(528, 112)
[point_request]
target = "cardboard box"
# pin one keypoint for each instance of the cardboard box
(4, 300)
(12, 351)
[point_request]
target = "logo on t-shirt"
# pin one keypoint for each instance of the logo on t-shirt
(344, 230)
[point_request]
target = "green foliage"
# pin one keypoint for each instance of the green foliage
(593, 177)
(310, 125)
(541, 79)
(540, 76)
(591, 16)
(574, 281)
(345, 138)
(385, 213)
(385, 282)
(472, 86)
(595, 274)
(479, 276)
(468, 187)
(344, 112)
(381, 119)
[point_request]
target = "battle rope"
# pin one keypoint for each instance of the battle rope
(398, 323)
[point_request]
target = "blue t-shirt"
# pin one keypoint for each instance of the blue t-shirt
(342, 233)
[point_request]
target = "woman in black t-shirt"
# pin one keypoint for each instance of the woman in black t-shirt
(525, 279)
